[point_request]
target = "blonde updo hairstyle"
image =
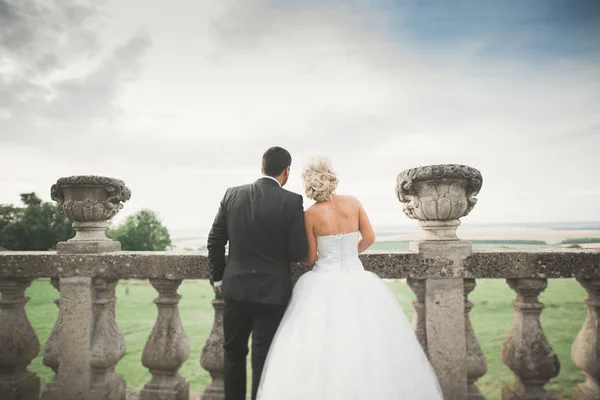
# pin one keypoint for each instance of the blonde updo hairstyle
(319, 179)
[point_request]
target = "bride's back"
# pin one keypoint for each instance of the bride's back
(331, 214)
(339, 214)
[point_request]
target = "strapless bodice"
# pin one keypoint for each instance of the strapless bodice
(338, 253)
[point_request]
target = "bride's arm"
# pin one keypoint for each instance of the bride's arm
(311, 255)
(366, 230)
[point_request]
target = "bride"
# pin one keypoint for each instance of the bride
(344, 335)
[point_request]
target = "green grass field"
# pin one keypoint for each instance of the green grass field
(492, 317)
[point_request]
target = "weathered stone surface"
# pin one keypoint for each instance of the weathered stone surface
(476, 361)
(89, 198)
(438, 196)
(52, 389)
(446, 342)
(108, 344)
(445, 325)
(586, 348)
(75, 338)
(419, 321)
(131, 395)
(559, 263)
(167, 347)
(133, 265)
(212, 357)
(193, 265)
(88, 247)
(526, 350)
(546, 263)
(18, 343)
(453, 251)
(90, 202)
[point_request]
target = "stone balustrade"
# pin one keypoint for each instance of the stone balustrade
(93, 344)
(86, 344)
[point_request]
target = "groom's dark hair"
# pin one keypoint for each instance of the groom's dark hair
(275, 160)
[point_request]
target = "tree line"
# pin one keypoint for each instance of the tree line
(581, 240)
(38, 225)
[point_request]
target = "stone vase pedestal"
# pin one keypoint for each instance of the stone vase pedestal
(438, 196)
(87, 344)
(90, 202)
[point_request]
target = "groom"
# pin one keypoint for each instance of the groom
(264, 225)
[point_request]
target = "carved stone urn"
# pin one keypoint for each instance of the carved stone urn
(90, 202)
(438, 196)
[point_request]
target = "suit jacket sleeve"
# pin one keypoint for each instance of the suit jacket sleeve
(217, 239)
(297, 243)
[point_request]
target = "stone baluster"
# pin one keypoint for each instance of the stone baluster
(18, 343)
(167, 347)
(212, 358)
(108, 345)
(418, 288)
(586, 348)
(526, 350)
(476, 361)
(51, 349)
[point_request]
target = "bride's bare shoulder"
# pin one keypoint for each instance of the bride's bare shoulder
(312, 209)
(349, 199)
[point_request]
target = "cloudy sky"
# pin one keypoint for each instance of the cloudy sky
(180, 99)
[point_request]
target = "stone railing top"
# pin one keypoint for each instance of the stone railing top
(559, 263)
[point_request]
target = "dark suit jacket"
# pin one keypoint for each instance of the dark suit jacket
(264, 225)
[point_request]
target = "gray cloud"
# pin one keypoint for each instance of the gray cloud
(40, 40)
(91, 96)
(42, 36)
(222, 84)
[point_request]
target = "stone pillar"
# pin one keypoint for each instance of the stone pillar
(18, 343)
(212, 358)
(526, 350)
(446, 341)
(52, 389)
(75, 338)
(89, 344)
(438, 196)
(419, 317)
(108, 345)
(167, 347)
(476, 361)
(586, 348)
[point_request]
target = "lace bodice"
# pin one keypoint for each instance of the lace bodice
(338, 253)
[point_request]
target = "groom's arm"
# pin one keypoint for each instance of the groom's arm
(297, 243)
(217, 239)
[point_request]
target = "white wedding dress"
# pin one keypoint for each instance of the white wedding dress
(345, 337)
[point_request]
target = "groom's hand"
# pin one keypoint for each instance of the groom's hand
(218, 286)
